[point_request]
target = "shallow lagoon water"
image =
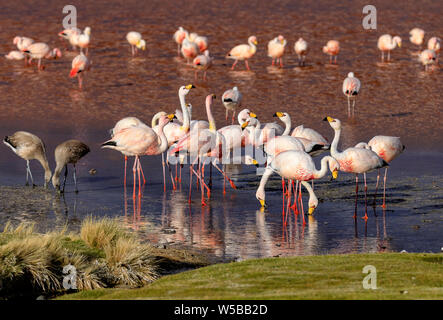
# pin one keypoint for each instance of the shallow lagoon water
(397, 98)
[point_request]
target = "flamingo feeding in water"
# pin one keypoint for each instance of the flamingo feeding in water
(203, 62)
(416, 36)
(243, 52)
(135, 40)
(351, 88)
(434, 43)
(68, 152)
(354, 160)
(29, 147)
(427, 57)
(41, 50)
(386, 43)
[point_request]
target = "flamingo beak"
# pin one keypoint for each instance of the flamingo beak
(278, 114)
(255, 163)
(335, 174)
(263, 203)
(311, 210)
(256, 42)
(171, 117)
(252, 115)
(329, 119)
(190, 86)
(244, 125)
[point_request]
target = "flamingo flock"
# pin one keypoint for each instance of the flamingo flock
(181, 140)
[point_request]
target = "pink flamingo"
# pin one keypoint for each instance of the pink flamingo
(416, 36)
(41, 50)
(435, 44)
(135, 40)
(301, 49)
(387, 148)
(179, 36)
(203, 62)
(231, 100)
(139, 141)
(22, 44)
(354, 160)
(427, 57)
(332, 48)
(189, 50)
(386, 43)
(79, 64)
(351, 88)
(243, 52)
(276, 49)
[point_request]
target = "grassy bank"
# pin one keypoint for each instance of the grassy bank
(104, 254)
(399, 276)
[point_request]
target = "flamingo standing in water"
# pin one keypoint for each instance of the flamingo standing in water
(354, 160)
(41, 50)
(203, 62)
(189, 50)
(416, 36)
(332, 48)
(387, 148)
(202, 43)
(427, 57)
(15, 55)
(243, 52)
(70, 34)
(386, 43)
(301, 49)
(135, 40)
(84, 39)
(276, 49)
(351, 88)
(299, 166)
(80, 64)
(22, 44)
(231, 100)
(179, 36)
(139, 141)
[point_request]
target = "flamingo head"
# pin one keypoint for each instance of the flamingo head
(87, 31)
(313, 203)
(351, 75)
(280, 115)
(397, 40)
(252, 114)
(251, 161)
(141, 44)
(281, 39)
(185, 89)
(56, 53)
(260, 195)
(253, 39)
(16, 40)
(334, 166)
(334, 123)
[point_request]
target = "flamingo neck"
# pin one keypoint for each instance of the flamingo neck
(287, 122)
(323, 168)
(211, 119)
(312, 196)
(163, 140)
(334, 145)
(264, 179)
(252, 47)
(185, 113)
(155, 119)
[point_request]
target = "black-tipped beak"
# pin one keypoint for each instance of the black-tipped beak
(193, 87)
(325, 119)
(275, 115)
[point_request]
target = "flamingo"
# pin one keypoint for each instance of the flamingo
(189, 49)
(174, 131)
(179, 36)
(196, 124)
(354, 160)
(258, 133)
(41, 50)
(416, 36)
(387, 148)
(387, 43)
(68, 152)
(29, 147)
(351, 88)
(79, 64)
(203, 62)
(15, 55)
(202, 43)
(199, 144)
(301, 49)
(22, 44)
(332, 48)
(427, 57)
(276, 49)
(84, 39)
(122, 125)
(232, 99)
(135, 40)
(299, 166)
(310, 146)
(312, 135)
(243, 52)
(70, 34)
(138, 141)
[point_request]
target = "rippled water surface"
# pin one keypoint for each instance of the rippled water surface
(397, 98)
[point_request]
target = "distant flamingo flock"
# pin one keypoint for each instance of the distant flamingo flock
(182, 140)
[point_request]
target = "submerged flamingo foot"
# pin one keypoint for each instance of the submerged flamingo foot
(365, 217)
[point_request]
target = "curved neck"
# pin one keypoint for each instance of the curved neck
(211, 120)
(241, 117)
(334, 150)
(163, 140)
(323, 168)
(252, 46)
(312, 196)
(264, 179)
(185, 113)
(287, 122)
(155, 119)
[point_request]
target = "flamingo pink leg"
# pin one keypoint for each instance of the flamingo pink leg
(289, 200)
(126, 163)
(366, 199)
(247, 65)
(376, 188)
(135, 179)
(301, 204)
(356, 195)
(139, 180)
(384, 189)
(233, 66)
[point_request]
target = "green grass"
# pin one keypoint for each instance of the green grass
(399, 276)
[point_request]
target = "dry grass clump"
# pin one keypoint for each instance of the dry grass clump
(104, 255)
